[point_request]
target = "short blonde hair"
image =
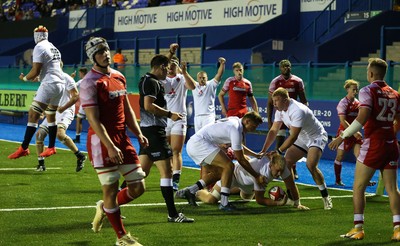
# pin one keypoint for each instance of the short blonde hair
(285, 63)
(380, 66)
(201, 72)
(237, 65)
(278, 160)
(349, 83)
(281, 92)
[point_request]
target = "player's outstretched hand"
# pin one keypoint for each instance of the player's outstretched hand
(335, 143)
(173, 47)
(302, 207)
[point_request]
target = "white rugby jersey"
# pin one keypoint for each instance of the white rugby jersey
(175, 93)
(50, 57)
(224, 131)
(299, 115)
(69, 85)
(204, 97)
(261, 166)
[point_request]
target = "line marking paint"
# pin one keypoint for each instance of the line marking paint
(138, 205)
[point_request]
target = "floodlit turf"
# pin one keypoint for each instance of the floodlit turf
(56, 207)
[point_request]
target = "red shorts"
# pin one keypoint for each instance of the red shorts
(349, 143)
(237, 112)
(379, 153)
(98, 153)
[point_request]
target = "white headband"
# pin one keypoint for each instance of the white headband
(39, 36)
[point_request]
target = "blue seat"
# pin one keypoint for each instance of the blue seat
(36, 15)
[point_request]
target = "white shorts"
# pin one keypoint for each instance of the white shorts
(49, 93)
(201, 151)
(81, 113)
(201, 120)
(176, 127)
(63, 119)
(247, 189)
(304, 142)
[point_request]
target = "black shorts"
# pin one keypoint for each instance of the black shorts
(158, 149)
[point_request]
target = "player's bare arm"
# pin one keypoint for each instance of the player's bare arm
(172, 50)
(273, 131)
(303, 99)
(74, 96)
(153, 108)
(190, 83)
(270, 110)
(222, 102)
(262, 200)
(131, 122)
(294, 134)
(249, 152)
(33, 73)
(221, 69)
(253, 103)
(260, 179)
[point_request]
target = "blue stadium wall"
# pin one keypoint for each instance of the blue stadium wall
(325, 111)
(234, 42)
(219, 39)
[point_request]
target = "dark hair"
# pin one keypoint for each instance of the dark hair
(253, 116)
(83, 70)
(119, 50)
(159, 60)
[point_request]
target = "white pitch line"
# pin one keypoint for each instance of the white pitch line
(26, 168)
(80, 207)
(137, 205)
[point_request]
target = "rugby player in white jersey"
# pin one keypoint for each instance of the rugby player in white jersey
(64, 117)
(46, 65)
(203, 148)
(307, 138)
(271, 166)
(176, 87)
(204, 96)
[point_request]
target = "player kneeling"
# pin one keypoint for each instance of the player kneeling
(272, 166)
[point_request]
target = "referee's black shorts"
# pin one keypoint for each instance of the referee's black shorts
(158, 149)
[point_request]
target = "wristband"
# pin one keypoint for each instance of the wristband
(169, 114)
(25, 78)
(280, 151)
(354, 127)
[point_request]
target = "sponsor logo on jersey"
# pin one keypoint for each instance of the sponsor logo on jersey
(239, 89)
(115, 94)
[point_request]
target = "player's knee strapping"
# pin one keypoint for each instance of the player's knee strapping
(64, 139)
(50, 111)
(37, 108)
(41, 134)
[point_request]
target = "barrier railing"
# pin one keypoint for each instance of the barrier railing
(323, 81)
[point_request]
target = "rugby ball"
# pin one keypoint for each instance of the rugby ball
(276, 193)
